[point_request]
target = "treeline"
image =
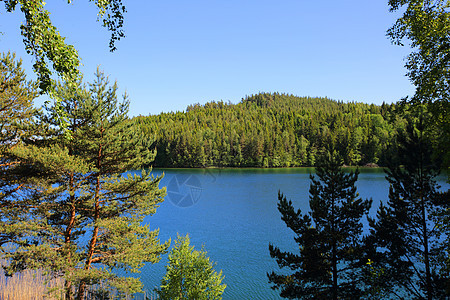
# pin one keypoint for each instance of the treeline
(272, 130)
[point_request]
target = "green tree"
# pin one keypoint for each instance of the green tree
(82, 219)
(16, 115)
(190, 274)
(426, 25)
(443, 225)
(43, 41)
(407, 249)
(329, 238)
(16, 99)
(246, 134)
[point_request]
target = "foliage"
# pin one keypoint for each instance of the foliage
(79, 218)
(43, 40)
(16, 122)
(16, 99)
(426, 25)
(190, 274)
(443, 225)
(329, 238)
(406, 246)
(272, 130)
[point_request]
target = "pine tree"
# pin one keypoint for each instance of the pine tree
(190, 274)
(84, 217)
(329, 238)
(16, 115)
(16, 99)
(407, 249)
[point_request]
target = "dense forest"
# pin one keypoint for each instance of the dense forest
(273, 130)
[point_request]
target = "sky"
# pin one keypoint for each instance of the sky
(178, 53)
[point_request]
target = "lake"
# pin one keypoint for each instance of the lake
(233, 214)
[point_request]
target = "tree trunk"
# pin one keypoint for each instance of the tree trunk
(429, 287)
(334, 250)
(67, 234)
(93, 242)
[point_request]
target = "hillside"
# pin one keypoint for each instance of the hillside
(271, 130)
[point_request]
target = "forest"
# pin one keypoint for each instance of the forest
(276, 130)
(69, 207)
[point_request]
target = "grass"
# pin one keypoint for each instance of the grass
(27, 285)
(33, 285)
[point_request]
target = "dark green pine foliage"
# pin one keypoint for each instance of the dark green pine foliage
(328, 265)
(16, 100)
(443, 225)
(16, 121)
(271, 130)
(85, 218)
(407, 248)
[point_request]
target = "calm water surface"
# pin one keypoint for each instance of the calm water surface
(233, 214)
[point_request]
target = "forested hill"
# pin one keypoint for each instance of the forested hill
(272, 130)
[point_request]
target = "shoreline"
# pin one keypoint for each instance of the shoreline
(256, 167)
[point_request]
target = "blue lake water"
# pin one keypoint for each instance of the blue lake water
(233, 214)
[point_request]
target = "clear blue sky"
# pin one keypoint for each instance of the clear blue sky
(180, 52)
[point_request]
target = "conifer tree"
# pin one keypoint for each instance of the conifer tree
(16, 99)
(190, 275)
(84, 217)
(329, 238)
(16, 115)
(407, 248)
